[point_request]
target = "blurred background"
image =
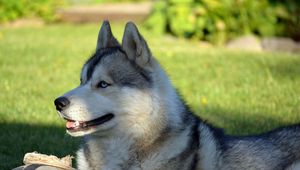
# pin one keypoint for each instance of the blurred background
(209, 20)
(235, 62)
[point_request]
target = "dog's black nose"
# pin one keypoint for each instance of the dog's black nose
(61, 103)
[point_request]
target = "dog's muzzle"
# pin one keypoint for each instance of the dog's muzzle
(62, 103)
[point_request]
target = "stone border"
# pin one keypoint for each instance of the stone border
(252, 43)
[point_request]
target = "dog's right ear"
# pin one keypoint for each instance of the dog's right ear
(105, 37)
(135, 46)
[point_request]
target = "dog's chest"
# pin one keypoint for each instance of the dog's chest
(103, 154)
(119, 154)
(117, 159)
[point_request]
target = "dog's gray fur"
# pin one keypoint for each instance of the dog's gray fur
(152, 127)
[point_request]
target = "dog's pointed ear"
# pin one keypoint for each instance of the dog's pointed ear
(105, 37)
(135, 46)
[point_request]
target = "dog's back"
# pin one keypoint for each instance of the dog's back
(275, 150)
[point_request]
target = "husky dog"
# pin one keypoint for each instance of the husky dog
(131, 117)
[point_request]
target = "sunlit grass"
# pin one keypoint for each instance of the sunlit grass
(243, 92)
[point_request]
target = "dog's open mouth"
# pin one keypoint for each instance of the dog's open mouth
(73, 125)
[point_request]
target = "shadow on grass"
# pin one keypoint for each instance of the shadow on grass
(286, 68)
(18, 139)
(241, 122)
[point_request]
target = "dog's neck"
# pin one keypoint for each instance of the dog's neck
(125, 152)
(108, 152)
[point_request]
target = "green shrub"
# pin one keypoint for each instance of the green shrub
(13, 9)
(91, 2)
(289, 16)
(217, 21)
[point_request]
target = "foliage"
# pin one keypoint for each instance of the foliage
(11, 9)
(289, 15)
(218, 21)
(122, 0)
(102, 1)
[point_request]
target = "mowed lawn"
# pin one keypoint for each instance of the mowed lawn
(242, 92)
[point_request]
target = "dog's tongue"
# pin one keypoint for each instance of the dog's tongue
(70, 124)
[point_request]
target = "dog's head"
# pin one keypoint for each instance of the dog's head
(116, 92)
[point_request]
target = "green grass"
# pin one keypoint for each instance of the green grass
(242, 92)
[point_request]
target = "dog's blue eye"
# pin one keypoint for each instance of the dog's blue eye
(102, 84)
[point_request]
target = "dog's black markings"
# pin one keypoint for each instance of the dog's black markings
(190, 153)
(95, 59)
(145, 74)
(88, 154)
(192, 146)
(195, 144)
(99, 54)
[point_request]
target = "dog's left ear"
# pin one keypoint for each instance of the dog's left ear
(105, 37)
(135, 46)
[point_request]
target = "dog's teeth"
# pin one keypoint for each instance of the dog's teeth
(76, 123)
